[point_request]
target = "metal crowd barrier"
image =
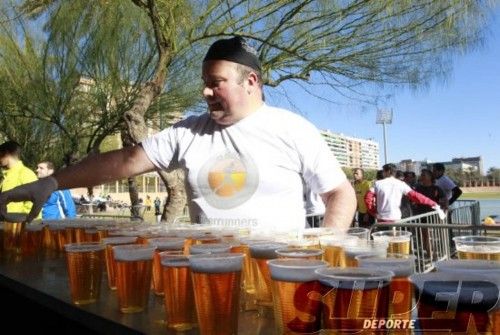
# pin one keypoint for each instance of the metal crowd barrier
(432, 238)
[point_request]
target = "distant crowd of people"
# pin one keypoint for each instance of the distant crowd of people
(396, 194)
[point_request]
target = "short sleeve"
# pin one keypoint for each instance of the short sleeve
(320, 168)
(161, 147)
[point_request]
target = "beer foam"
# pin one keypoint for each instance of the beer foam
(84, 247)
(210, 248)
(459, 287)
(361, 248)
(400, 266)
(133, 252)
(477, 266)
(167, 243)
(216, 263)
(337, 240)
(354, 278)
(119, 240)
(479, 249)
(265, 250)
(176, 261)
(33, 227)
(295, 270)
(297, 253)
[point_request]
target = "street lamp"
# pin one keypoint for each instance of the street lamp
(384, 116)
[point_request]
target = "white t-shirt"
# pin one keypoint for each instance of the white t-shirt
(447, 185)
(248, 174)
(389, 192)
(313, 203)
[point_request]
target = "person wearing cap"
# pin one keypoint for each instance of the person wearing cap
(245, 161)
(15, 174)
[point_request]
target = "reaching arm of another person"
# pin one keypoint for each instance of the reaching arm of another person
(371, 203)
(420, 199)
(93, 170)
(456, 192)
(340, 206)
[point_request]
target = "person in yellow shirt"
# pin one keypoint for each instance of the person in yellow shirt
(15, 174)
(361, 187)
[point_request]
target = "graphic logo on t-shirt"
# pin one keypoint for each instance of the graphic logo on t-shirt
(228, 180)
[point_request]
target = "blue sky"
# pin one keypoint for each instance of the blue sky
(458, 118)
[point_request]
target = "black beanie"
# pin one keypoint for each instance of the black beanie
(234, 50)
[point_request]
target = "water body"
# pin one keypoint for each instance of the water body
(489, 207)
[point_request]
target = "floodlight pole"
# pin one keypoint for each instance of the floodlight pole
(385, 144)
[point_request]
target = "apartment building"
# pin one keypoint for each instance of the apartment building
(352, 152)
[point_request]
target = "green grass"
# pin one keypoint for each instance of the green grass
(482, 195)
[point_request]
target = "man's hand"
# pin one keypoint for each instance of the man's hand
(37, 192)
(440, 212)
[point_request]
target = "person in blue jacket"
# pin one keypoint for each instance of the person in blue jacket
(60, 204)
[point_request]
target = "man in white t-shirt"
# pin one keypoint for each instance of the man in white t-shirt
(444, 182)
(245, 161)
(384, 199)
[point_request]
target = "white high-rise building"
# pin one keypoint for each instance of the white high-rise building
(353, 152)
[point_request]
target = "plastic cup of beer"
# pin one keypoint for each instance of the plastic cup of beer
(316, 233)
(249, 272)
(179, 295)
(364, 247)
(304, 243)
(478, 247)
(399, 240)
(163, 244)
(209, 248)
(361, 233)
(294, 285)
(58, 235)
(110, 242)
(31, 239)
(12, 232)
(85, 262)
(400, 288)
(467, 265)
(457, 303)
(206, 239)
(300, 253)
(353, 295)
(333, 246)
(261, 253)
(134, 264)
(216, 285)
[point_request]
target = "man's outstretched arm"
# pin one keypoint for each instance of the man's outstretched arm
(91, 171)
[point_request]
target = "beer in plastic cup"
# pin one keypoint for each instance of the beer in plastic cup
(110, 242)
(85, 262)
(261, 253)
(162, 244)
(294, 284)
(216, 285)
(353, 295)
(457, 302)
(364, 247)
(333, 245)
(478, 247)
(179, 295)
(209, 248)
(359, 232)
(399, 240)
(134, 263)
(300, 253)
(400, 289)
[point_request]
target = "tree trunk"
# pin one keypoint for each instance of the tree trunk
(132, 184)
(176, 199)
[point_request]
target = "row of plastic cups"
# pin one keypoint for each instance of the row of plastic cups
(198, 280)
(464, 293)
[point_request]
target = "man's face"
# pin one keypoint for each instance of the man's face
(358, 175)
(225, 94)
(42, 170)
(4, 161)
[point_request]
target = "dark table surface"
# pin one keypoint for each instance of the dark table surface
(44, 280)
